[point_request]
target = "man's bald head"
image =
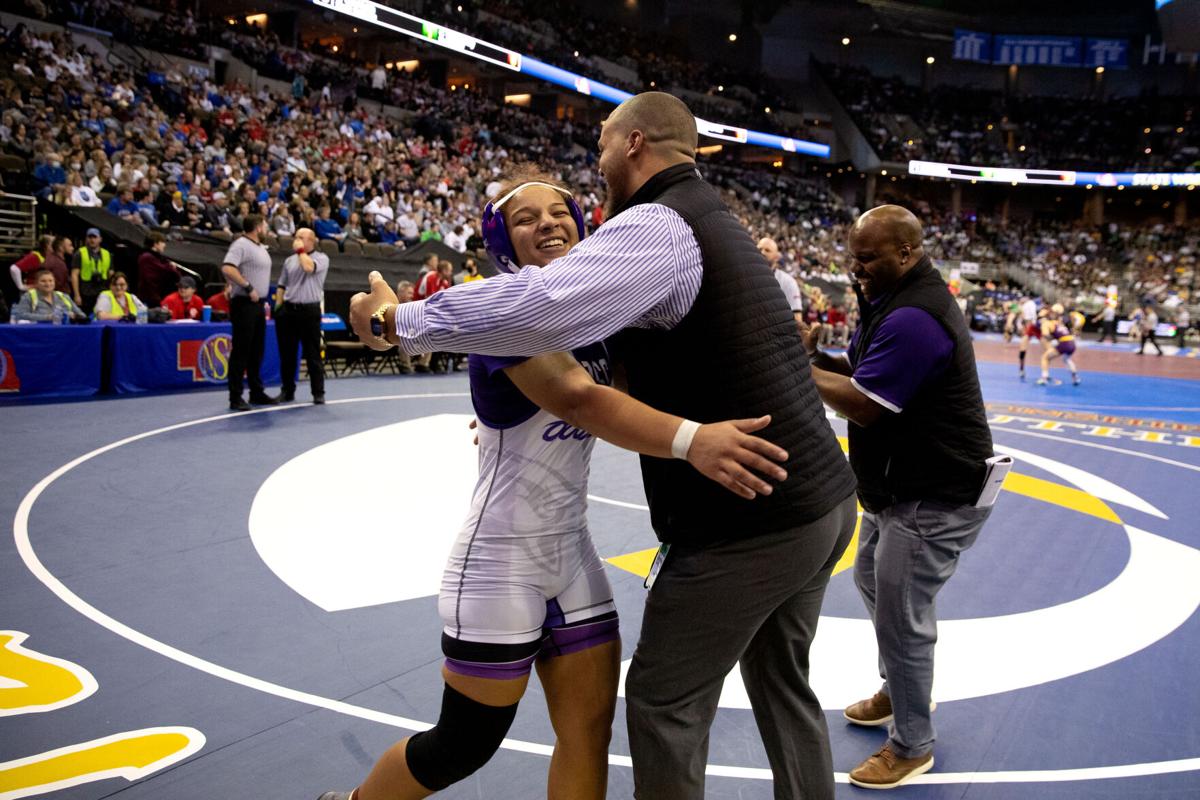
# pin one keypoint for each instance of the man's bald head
(643, 136)
(770, 250)
(894, 222)
(665, 121)
(885, 243)
(308, 237)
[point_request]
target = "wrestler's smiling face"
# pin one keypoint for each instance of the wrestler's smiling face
(540, 225)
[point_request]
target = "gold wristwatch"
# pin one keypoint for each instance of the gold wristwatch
(379, 322)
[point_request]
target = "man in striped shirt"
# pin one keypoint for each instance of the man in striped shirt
(704, 333)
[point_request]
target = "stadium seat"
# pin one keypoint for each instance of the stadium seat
(285, 242)
(344, 358)
(352, 248)
(329, 247)
(389, 360)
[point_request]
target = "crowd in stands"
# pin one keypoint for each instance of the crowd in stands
(175, 151)
(169, 151)
(962, 125)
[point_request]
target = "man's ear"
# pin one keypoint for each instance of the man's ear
(635, 143)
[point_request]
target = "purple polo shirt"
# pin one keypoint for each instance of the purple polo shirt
(909, 348)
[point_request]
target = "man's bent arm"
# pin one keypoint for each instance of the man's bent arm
(641, 269)
(840, 394)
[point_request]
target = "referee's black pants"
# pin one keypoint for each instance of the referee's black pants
(300, 324)
(249, 338)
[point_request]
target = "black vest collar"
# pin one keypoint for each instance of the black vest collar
(659, 183)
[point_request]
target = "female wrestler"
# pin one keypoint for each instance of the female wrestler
(1059, 342)
(523, 586)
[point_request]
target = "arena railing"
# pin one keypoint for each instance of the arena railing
(18, 225)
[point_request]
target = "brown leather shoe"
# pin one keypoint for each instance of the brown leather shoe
(886, 770)
(873, 711)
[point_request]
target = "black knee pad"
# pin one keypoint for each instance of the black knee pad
(467, 735)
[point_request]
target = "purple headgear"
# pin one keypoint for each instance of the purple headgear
(495, 233)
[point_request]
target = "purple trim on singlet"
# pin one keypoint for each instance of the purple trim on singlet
(498, 402)
(564, 641)
(559, 638)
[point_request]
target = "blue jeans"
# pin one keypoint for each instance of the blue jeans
(906, 553)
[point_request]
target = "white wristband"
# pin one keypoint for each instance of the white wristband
(683, 438)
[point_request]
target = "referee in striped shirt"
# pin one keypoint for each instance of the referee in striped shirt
(675, 285)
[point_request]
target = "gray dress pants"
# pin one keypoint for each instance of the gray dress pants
(906, 553)
(756, 601)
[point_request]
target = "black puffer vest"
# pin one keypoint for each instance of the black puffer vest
(936, 447)
(735, 355)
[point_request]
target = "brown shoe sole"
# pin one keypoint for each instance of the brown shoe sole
(921, 770)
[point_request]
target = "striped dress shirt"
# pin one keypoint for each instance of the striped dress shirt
(640, 269)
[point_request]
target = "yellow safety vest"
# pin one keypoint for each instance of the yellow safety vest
(88, 267)
(33, 299)
(115, 306)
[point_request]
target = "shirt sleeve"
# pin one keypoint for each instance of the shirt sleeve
(24, 309)
(103, 305)
(791, 291)
(640, 269)
(234, 254)
(909, 348)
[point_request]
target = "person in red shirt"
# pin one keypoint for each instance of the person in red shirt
(835, 325)
(184, 304)
(219, 302)
(434, 281)
(157, 275)
(430, 284)
(24, 268)
(57, 260)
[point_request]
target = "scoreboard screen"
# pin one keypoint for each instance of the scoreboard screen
(377, 14)
(962, 172)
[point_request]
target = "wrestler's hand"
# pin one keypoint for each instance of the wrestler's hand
(363, 305)
(474, 426)
(726, 453)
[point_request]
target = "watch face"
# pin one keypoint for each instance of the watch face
(376, 326)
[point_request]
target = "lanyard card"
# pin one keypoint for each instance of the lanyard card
(659, 558)
(997, 471)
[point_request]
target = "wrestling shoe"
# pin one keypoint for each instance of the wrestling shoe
(1075, 380)
(1021, 374)
(886, 770)
(1043, 381)
(336, 796)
